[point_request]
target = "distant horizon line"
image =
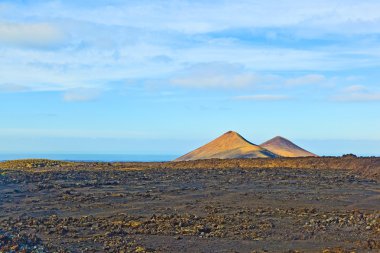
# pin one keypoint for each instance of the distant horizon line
(90, 157)
(143, 154)
(43, 155)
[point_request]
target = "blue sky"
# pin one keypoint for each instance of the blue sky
(163, 77)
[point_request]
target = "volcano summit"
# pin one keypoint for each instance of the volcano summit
(229, 145)
(233, 145)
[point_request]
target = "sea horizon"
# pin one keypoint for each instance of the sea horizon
(91, 157)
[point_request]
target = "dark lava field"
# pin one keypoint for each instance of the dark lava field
(50, 206)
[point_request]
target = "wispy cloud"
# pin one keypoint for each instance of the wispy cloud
(30, 34)
(306, 80)
(194, 17)
(215, 75)
(358, 97)
(355, 88)
(11, 87)
(190, 44)
(66, 133)
(81, 95)
(357, 93)
(263, 97)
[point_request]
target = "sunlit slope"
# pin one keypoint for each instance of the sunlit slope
(229, 145)
(283, 147)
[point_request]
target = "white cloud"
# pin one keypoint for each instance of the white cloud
(358, 97)
(67, 133)
(306, 80)
(357, 93)
(215, 75)
(263, 97)
(30, 34)
(81, 95)
(194, 17)
(355, 88)
(11, 87)
(155, 39)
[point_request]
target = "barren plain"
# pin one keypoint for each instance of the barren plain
(238, 205)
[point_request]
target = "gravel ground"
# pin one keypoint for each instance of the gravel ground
(103, 208)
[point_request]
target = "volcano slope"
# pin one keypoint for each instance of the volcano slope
(229, 145)
(285, 148)
(237, 205)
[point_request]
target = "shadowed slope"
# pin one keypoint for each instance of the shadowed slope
(229, 145)
(283, 147)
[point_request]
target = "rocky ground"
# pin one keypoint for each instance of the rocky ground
(48, 206)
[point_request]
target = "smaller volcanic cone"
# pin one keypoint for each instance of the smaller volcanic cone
(285, 148)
